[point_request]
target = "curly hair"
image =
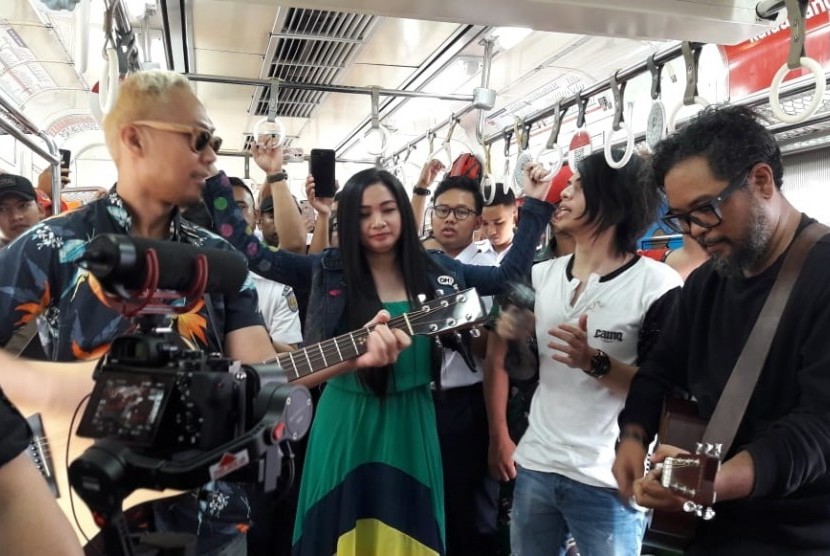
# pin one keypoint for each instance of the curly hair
(731, 138)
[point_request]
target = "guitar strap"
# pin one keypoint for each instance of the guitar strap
(728, 414)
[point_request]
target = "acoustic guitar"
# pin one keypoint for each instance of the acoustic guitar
(690, 475)
(457, 311)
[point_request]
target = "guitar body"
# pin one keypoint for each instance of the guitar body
(48, 452)
(680, 426)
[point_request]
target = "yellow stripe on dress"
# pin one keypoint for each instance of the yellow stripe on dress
(372, 537)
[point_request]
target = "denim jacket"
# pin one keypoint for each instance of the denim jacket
(320, 276)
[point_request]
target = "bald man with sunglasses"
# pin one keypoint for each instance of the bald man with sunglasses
(163, 145)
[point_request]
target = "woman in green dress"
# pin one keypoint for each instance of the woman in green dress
(372, 480)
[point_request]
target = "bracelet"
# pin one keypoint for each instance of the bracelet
(632, 435)
(421, 191)
(279, 176)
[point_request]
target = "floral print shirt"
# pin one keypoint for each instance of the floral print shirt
(39, 278)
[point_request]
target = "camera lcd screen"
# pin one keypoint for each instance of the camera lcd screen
(126, 407)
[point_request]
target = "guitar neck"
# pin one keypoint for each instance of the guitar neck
(322, 355)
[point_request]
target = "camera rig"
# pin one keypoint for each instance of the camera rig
(166, 416)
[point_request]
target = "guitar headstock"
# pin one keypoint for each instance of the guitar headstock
(692, 476)
(455, 311)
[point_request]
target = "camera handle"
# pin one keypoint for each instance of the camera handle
(108, 471)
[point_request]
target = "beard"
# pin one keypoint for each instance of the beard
(749, 249)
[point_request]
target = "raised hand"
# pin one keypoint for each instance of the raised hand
(429, 172)
(268, 158)
(536, 181)
(321, 204)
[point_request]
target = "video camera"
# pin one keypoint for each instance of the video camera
(164, 415)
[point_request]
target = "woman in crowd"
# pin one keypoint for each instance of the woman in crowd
(372, 482)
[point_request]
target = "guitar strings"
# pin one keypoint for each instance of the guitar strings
(332, 349)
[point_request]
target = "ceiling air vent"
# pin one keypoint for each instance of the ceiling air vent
(314, 48)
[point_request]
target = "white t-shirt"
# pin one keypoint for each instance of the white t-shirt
(279, 309)
(454, 371)
(573, 417)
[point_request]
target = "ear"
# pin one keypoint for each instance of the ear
(762, 180)
(478, 222)
(132, 140)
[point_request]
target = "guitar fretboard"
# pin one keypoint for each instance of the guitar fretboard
(335, 350)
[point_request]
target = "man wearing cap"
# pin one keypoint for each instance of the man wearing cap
(19, 209)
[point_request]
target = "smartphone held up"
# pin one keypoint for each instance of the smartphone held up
(321, 168)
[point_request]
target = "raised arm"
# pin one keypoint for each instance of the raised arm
(421, 194)
(272, 263)
(535, 214)
(323, 207)
(287, 219)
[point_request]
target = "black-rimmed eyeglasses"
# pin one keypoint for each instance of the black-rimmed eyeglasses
(707, 214)
(460, 213)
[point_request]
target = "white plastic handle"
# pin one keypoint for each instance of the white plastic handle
(818, 95)
(279, 133)
(700, 101)
(556, 165)
(629, 147)
(444, 148)
(108, 85)
(382, 143)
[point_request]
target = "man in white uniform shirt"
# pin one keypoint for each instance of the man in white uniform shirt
(470, 493)
(277, 302)
(596, 313)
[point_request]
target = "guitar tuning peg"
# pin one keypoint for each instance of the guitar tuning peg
(708, 514)
(475, 332)
(457, 336)
(439, 293)
(690, 507)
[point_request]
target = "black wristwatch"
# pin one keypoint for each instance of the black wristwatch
(421, 191)
(274, 178)
(600, 365)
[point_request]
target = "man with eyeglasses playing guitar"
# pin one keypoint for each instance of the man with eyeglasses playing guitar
(163, 145)
(722, 175)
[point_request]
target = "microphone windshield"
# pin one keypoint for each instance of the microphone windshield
(119, 260)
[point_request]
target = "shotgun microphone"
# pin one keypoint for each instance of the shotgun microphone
(120, 260)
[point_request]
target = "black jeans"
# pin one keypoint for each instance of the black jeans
(470, 493)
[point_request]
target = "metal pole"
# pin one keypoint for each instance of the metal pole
(324, 88)
(427, 133)
(23, 122)
(768, 9)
